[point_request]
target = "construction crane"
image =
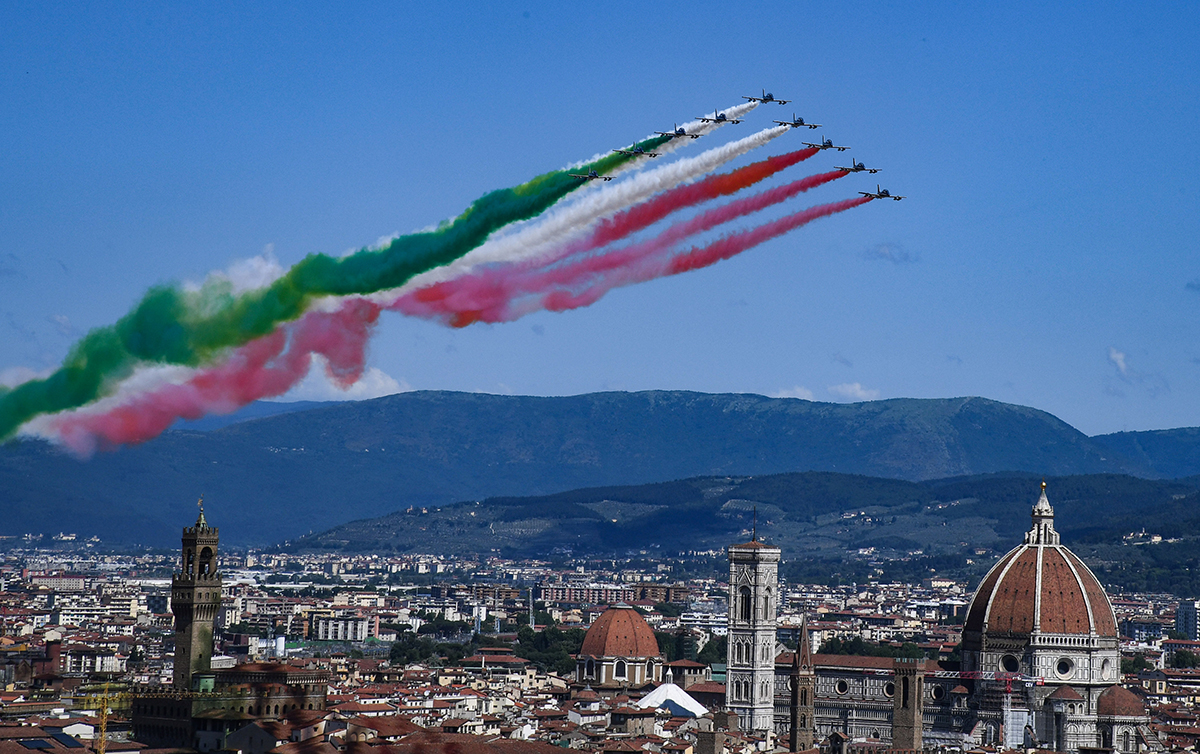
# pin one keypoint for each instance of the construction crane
(102, 743)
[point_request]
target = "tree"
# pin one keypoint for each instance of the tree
(1135, 664)
(716, 650)
(1185, 658)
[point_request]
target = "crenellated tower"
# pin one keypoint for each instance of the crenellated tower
(195, 600)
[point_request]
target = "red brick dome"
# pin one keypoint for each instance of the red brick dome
(620, 631)
(1040, 586)
(1119, 701)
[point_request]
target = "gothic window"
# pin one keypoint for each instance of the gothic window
(1125, 740)
(766, 606)
(803, 700)
(744, 603)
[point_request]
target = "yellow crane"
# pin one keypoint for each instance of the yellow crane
(102, 742)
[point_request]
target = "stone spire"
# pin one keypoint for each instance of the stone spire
(1042, 532)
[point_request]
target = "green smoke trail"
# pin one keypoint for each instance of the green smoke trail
(172, 326)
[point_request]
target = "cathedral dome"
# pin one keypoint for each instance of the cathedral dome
(620, 631)
(1040, 587)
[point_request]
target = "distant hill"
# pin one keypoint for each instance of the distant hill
(811, 516)
(1166, 453)
(277, 477)
(255, 410)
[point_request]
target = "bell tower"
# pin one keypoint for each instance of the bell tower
(195, 599)
(753, 597)
(804, 693)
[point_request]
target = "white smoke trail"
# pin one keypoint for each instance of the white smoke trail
(575, 219)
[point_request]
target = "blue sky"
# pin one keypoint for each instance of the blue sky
(1046, 255)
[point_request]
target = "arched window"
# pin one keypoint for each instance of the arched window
(621, 669)
(206, 561)
(745, 604)
(1125, 740)
(766, 606)
(649, 670)
(803, 698)
(803, 722)
(904, 692)
(591, 668)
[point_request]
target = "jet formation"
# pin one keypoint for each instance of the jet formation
(678, 132)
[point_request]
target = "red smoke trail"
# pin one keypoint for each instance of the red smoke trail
(692, 259)
(274, 363)
(427, 301)
(260, 369)
(493, 295)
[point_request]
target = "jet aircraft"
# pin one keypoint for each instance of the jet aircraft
(591, 175)
(766, 97)
(677, 133)
(718, 117)
(634, 151)
(857, 167)
(880, 193)
(797, 123)
(825, 144)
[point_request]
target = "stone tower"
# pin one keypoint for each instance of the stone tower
(804, 691)
(195, 599)
(753, 595)
(908, 708)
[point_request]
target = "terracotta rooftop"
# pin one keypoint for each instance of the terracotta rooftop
(1119, 701)
(1066, 693)
(620, 631)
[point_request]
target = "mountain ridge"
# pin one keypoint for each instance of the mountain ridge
(274, 477)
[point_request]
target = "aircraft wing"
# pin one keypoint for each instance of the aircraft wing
(814, 146)
(783, 101)
(841, 149)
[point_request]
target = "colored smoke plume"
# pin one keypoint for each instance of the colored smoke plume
(174, 326)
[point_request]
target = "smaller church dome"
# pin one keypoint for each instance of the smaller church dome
(1119, 701)
(620, 631)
